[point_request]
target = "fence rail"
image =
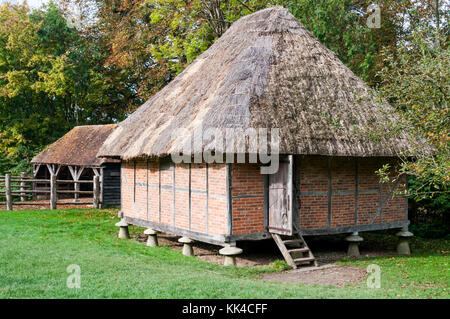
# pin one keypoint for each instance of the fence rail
(12, 183)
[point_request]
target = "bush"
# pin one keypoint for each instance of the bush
(280, 265)
(430, 230)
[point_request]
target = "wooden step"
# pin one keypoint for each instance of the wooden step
(298, 250)
(304, 260)
(302, 247)
(292, 241)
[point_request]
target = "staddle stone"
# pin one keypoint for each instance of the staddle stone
(353, 245)
(123, 230)
(187, 246)
(230, 254)
(403, 243)
(152, 239)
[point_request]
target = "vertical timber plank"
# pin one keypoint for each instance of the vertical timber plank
(330, 190)
(190, 194)
(266, 202)
(23, 184)
(96, 188)
(9, 205)
(229, 200)
(207, 198)
(159, 195)
(174, 194)
(53, 191)
(134, 181)
(356, 191)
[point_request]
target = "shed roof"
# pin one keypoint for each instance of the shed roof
(266, 71)
(78, 147)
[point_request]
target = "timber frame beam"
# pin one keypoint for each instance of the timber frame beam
(208, 238)
(76, 172)
(53, 169)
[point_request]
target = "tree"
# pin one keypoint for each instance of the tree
(51, 78)
(416, 81)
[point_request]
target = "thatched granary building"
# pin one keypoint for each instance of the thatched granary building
(73, 157)
(266, 71)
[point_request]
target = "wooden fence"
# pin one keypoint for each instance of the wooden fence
(23, 187)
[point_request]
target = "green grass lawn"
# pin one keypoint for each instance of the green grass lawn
(38, 246)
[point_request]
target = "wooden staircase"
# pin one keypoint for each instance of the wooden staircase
(295, 250)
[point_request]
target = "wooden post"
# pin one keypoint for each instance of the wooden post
(99, 172)
(34, 184)
(23, 184)
(76, 194)
(53, 194)
(76, 174)
(96, 189)
(9, 205)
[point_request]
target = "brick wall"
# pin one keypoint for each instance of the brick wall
(157, 201)
(247, 199)
(346, 174)
(206, 211)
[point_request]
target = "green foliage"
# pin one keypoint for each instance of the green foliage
(280, 265)
(51, 79)
(427, 230)
(437, 201)
(416, 82)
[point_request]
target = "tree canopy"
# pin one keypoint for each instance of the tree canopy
(76, 62)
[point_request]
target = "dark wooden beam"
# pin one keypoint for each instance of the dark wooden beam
(190, 194)
(212, 239)
(356, 191)
(229, 199)
(383, 201)
(351, 229)
(159, 190)
(330, 190)
(406, 189)
(174, 190)
(207, 197)
(266, 201)
(134, 181)
(252, 237)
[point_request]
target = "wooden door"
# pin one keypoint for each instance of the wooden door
(281, 199)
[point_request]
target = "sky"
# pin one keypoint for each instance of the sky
(31, 3)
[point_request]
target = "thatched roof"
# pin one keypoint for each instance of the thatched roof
(266, 71)
(78, 147)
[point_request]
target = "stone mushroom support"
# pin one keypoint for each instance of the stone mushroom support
(230, 254)
(187, 246)
(123, 231)
(403, 244)
(353, 244)
(152, 239)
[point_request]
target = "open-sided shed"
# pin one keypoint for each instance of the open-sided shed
(73, 157)
(267, 71)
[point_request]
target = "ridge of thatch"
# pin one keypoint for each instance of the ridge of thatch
(79, 147)
(266, 71)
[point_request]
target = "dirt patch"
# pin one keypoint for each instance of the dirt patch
(255, 253)
(265, 252)
(329, 275)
